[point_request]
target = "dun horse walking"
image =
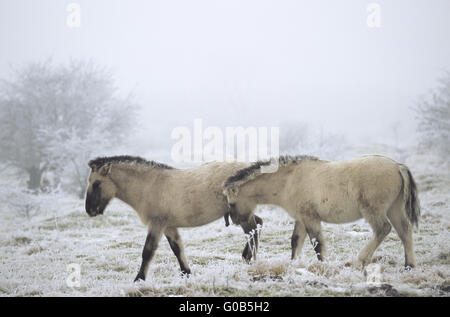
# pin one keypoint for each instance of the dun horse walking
(312, 190)
(165, 198)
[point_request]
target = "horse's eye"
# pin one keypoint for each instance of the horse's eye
(96, 184)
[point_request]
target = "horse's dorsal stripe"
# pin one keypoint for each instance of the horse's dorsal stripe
(125, 159)
(242, 175)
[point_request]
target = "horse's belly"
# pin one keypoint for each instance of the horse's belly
(196, 219)
(339, 213)
(337, 217)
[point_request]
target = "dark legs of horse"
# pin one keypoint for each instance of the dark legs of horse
(151, 243)
(250, 228)
(249, 223)
(314, 230)
(176, 245)
(298, 238)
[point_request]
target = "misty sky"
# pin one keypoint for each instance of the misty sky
(248, 62)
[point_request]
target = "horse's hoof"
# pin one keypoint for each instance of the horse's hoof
(362, 263)
(139, 278)
(357, 265)
(247, 259)
(247, 256)
(409, 267)
(186, 273)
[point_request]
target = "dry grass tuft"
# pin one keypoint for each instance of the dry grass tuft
(34, 250)
(323, 269)
(263, 269)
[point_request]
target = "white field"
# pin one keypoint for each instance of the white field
(35, 252)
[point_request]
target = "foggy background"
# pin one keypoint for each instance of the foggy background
(247, 62)
(132, 71)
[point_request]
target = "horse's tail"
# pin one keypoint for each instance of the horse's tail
(410, 195)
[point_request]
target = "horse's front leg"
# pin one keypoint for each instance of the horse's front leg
(151, 243)
(298, 238)
(314, 230)
(250, 227)
(176, 245)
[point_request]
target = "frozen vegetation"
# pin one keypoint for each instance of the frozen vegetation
(38, 243)
(333, 91)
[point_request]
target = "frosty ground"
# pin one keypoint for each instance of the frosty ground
(35, 253)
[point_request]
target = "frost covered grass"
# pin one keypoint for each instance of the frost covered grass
(35, 252)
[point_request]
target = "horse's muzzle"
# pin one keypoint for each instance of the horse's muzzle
(94, 207)
(94, 213)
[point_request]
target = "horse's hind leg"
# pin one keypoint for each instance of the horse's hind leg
(298, 238)
(381, 228)
(151, 243)
(250, 227)
(397, 216)
(176, 245)
(314, 230)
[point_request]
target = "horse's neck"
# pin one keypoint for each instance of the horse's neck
(129, 183)
(266, 188)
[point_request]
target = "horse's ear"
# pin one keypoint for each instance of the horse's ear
(230, 193)
(105, 169)
(92, 165)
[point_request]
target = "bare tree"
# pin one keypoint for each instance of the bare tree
(44, 107)
(433, 114)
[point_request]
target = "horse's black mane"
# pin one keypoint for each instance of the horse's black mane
(245, 172)
(283, 160)
(100, 161)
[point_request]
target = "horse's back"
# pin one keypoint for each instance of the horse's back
(339, 190)
(369, 177)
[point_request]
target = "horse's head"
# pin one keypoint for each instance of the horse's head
(236, 207)
(101, 189)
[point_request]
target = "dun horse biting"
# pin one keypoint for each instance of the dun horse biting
(165, 199)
